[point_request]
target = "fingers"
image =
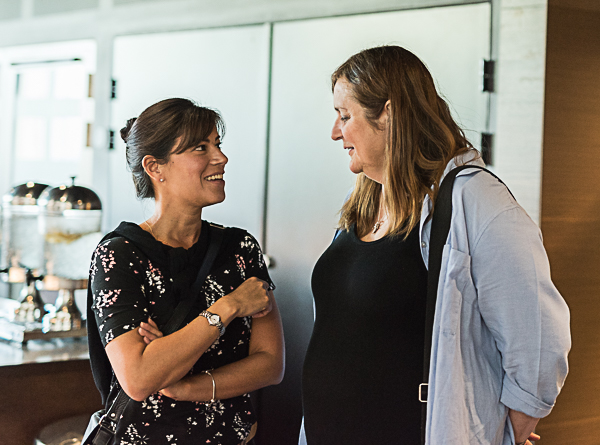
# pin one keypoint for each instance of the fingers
(268, 308)
(256, 283)
(251, 298)
(147, 334)
(269, 303)
(166, 392)
(261, 313)
(149, 331)
(532, 437)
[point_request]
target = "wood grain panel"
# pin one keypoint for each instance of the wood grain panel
(571, 211)
(36, 395)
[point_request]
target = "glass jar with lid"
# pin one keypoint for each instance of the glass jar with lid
(70, 221)
(22, 244)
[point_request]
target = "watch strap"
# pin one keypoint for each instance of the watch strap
(218, 324)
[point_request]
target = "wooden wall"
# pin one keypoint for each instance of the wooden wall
(38, 394)
(570, 216)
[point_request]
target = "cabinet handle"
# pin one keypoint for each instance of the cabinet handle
(269, 261)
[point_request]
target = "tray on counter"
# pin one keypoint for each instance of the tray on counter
(22, 333)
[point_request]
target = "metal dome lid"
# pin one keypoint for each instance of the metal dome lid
(24, 194)
(73, 197)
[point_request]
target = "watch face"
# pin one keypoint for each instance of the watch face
(214, 319)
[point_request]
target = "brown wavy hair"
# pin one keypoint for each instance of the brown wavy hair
(422, 136)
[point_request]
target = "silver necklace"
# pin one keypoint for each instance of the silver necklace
(378, 224)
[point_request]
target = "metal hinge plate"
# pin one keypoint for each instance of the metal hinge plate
(111, 139)
(488, 76)
(113, 89)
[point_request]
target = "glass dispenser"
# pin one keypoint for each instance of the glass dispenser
(22, 245)
(70, 221)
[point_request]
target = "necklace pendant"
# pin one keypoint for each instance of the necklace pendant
(376, 227)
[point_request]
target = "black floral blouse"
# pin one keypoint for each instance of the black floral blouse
(128, 286)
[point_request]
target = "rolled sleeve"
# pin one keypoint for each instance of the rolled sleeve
(523, 310)
(254, 260)
(518, 399)
(117, 289)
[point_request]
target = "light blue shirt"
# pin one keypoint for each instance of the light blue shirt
(501, 332)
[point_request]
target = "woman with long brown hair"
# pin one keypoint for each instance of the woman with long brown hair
(501, 330)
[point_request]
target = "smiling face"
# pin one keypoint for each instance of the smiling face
(195, 176)
(365, 143)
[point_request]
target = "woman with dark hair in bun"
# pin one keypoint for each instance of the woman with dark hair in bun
(191, 386)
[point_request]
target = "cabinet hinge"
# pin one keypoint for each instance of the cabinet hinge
(113, 89)
(488, 76)
(111, 139)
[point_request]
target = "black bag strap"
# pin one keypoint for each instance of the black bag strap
(184, 306)
(440, 227)
(182, 309)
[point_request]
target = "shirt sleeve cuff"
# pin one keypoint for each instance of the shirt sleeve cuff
(516, 399)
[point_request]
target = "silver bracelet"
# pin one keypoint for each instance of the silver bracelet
(213, 400)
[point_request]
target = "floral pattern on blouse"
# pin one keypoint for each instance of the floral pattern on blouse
(127, 288)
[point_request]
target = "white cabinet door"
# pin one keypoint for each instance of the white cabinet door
(225, 69)
(308, 172)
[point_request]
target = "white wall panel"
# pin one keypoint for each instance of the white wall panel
(51, 61)
(309, 173)
(225, 69)
(520, 105)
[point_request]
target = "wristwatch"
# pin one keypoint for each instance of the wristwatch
(214, 320)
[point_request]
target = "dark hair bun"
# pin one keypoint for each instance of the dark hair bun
(127, 128)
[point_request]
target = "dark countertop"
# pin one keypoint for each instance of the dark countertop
(43, 351)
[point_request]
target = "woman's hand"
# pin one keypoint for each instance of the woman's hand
(522, 426)
(251, 298)
(532, 438)
(175, 391)
(263, 366)
(149, 331)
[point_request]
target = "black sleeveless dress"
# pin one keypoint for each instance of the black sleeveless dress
(365, 358)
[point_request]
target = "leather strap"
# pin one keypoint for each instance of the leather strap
(440, 227)
(183, 308)
(114, 413)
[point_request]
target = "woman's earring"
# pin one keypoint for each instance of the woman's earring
(161, 180)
